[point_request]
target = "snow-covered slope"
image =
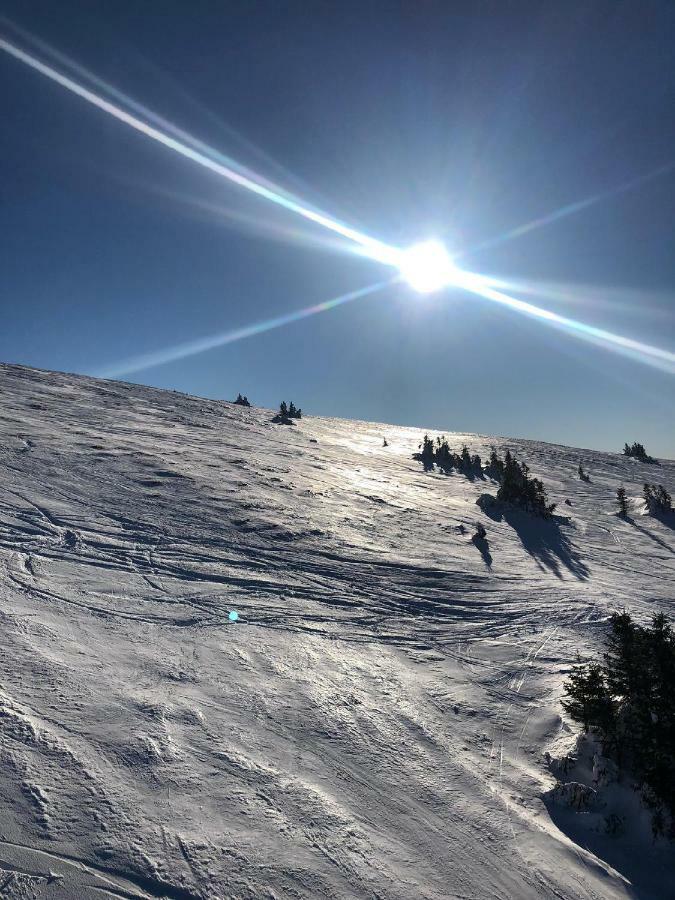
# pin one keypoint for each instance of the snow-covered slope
(374, 723)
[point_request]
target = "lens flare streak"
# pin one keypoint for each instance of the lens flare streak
(572, 208)
(645, 353)
(190, 148)
(200, 345)
(368, 246)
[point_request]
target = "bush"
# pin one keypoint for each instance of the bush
(516, 485)
(637, 451)
(627, 700)
(242, 401)
(439, 453)
(519, 489)
(582, 475)
(290, 411)
(658, 500)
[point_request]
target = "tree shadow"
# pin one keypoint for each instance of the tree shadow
(542, 538)
(481, 544)
(646, 878)
(653, 537)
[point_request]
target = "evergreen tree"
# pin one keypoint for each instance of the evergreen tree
(283, 410)
(495, 466)
(657, 499)
(638, 451)
(587, 698)
(628, 701)
(427, 454)
(622, 501)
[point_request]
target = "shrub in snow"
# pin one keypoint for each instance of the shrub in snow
(438, 453)
(575, 795)
(657, 499)
(637, 451)
(495, 467)
(582, 474)
(287, 413)
(519, 489)
(241, 401)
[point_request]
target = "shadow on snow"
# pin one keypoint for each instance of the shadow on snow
(543, 539)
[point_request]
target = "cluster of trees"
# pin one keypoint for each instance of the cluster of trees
(517, 486)
(638, 452)
(657, 498)
(627, 700)
(290, 411)
(439, 452)
(242, 401)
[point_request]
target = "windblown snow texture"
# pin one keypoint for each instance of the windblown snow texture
(374, 723)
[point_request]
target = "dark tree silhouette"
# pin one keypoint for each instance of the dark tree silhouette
(657, 499)
(637, 451)
(622, 501)
(627, 700)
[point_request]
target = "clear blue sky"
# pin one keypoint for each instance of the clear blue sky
(405, 120)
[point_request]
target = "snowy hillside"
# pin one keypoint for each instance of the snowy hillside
(373, 725)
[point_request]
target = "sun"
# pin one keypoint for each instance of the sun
(427, 267)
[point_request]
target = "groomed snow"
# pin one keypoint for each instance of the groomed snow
(374, 723)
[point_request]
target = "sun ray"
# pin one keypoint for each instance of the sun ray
(210, 342)
(637, 350)
(367, 245)
(571, 208)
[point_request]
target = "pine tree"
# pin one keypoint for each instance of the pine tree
(283, 410)
(622, 501)
(587, 699)
(628, 700)
(428, 451)
(495, 466)
(657, 499)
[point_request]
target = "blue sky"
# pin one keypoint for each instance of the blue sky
(405, 120)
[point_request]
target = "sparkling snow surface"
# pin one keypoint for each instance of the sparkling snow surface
(372, 726)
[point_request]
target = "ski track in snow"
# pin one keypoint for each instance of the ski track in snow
(374, 724)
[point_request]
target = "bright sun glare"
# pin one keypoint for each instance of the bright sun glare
(427, 267)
